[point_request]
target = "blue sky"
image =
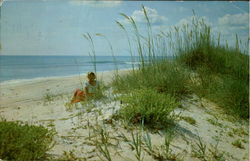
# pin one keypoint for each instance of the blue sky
(55, 27)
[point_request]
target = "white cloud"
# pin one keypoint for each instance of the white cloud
(154, 17)
(232, 24)
(96, 3)
(234, 20)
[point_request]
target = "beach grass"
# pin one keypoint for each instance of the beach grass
(221, 72)
(20, 141)
(136, 144)
(200, 149)
(167, 77)
(189, 119)
(48, 97)
(237, 143)
(149, 106)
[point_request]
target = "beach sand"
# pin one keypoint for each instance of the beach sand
(27, 92)
(42, 102)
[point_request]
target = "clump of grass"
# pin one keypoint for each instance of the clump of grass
(48, 97)
(136, 144)
(237, 143)
(216, 155)
(200, 150)
(188, 119)
(243, 140)
(149, 106)
(230, 133)
(101, 138)
(163, 152)
(167, 77)
(148, 142)
(204, 152)
(103, 146)
(166, 147)
(239, 131)
(215, 122)
(24, 142)
(69, 156)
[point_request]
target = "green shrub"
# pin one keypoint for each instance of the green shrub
(237, 143)
(24, 142)
(165, 77)
(149, 106)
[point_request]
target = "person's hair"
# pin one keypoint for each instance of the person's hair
(91, 73)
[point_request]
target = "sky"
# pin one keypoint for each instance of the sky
(56, 27)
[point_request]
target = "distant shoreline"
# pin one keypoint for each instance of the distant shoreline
(22, 68)
(40, 79)
(22, 93)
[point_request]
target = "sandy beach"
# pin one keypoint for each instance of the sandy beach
(181, 94)
(26, 92)
(42, 102)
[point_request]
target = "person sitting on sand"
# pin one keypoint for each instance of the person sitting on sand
(91, 87)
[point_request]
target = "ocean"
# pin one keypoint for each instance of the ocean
(18, 68)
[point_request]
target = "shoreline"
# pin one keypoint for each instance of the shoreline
(30, 91)
(37, 79)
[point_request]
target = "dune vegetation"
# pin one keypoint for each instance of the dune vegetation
(20, 141)
(199, 65)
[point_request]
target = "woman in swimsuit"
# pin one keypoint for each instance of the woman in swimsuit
(91, 87)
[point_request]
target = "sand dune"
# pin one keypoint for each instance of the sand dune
(76, 127)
